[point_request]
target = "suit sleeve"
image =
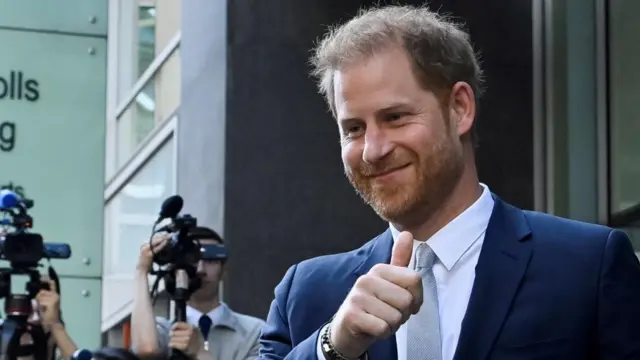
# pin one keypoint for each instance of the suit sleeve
(275, 339)
(619, 300)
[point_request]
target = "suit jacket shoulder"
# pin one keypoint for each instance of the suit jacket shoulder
(570, 240)
(328, 268)
(554, 227)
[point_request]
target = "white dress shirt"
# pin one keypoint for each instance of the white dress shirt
(457, 246)
(193, 315)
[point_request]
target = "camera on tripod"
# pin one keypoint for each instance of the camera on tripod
(23, 250)
(180, 257)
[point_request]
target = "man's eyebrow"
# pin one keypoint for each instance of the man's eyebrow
(397, 106)
(348, 120)
(400, 106)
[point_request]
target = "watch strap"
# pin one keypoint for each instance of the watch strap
(329, 351)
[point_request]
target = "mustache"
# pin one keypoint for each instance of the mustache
(382, 167)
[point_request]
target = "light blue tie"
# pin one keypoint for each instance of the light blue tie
(423, 329)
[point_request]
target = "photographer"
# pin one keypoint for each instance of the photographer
(33, 326)
(212, 330)
(46, 313)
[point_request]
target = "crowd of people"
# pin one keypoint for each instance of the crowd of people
(212, 330)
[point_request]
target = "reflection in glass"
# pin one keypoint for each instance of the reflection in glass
(132, 211)
(157, 101)
(624, 77)
(137, 44)
(146, 37)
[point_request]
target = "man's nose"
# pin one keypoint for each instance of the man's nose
(376, 145)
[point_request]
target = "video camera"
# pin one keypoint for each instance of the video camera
(23, 250)
(183, 246)
(180, 256)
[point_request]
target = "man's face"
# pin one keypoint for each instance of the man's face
(401, 147)
(210, 271)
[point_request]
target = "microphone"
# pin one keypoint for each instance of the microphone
(9, 199)
(57, 250)
(170, 207)
(81, 354)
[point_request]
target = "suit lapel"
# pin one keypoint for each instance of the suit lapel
(380, 252)
(501, 266)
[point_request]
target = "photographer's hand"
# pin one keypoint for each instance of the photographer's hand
(186, 338)
(49, 305)
(146, 255)
(49, 308)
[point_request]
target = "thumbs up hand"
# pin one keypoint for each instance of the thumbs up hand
(380, 301)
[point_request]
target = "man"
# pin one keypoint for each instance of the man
(212, 330)
(46, 313)
(482, 279)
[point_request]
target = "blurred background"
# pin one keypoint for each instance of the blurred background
(107, 107)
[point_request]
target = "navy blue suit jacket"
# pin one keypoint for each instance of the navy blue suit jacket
(545, 288)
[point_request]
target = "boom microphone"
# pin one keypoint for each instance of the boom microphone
(9, 199)
(170, 208)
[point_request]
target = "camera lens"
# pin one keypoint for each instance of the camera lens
(18, 305)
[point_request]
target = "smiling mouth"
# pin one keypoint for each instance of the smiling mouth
(387, 172)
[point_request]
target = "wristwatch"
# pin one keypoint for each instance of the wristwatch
(329, 351)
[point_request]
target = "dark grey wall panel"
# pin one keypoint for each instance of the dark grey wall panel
(201, 129)
(502, 31)
(286, 196)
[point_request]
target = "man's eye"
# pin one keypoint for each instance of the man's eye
(351, 130)
(395, 116)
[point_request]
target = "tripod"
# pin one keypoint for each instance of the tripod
(13, 328)
(18, 309)
(180, 282)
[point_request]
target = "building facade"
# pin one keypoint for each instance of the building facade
(212, 100)
(143, 97)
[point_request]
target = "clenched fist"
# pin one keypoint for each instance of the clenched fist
(49, 305)
(380, 301)
(148, 249)
(186, 338)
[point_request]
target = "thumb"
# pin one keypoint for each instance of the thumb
(402, 250)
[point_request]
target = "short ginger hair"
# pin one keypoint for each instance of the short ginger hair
(439, 49)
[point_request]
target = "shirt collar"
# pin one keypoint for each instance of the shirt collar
(455, 238)
(220, 316)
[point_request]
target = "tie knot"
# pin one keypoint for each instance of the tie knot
(425, 257)
(204, 324)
